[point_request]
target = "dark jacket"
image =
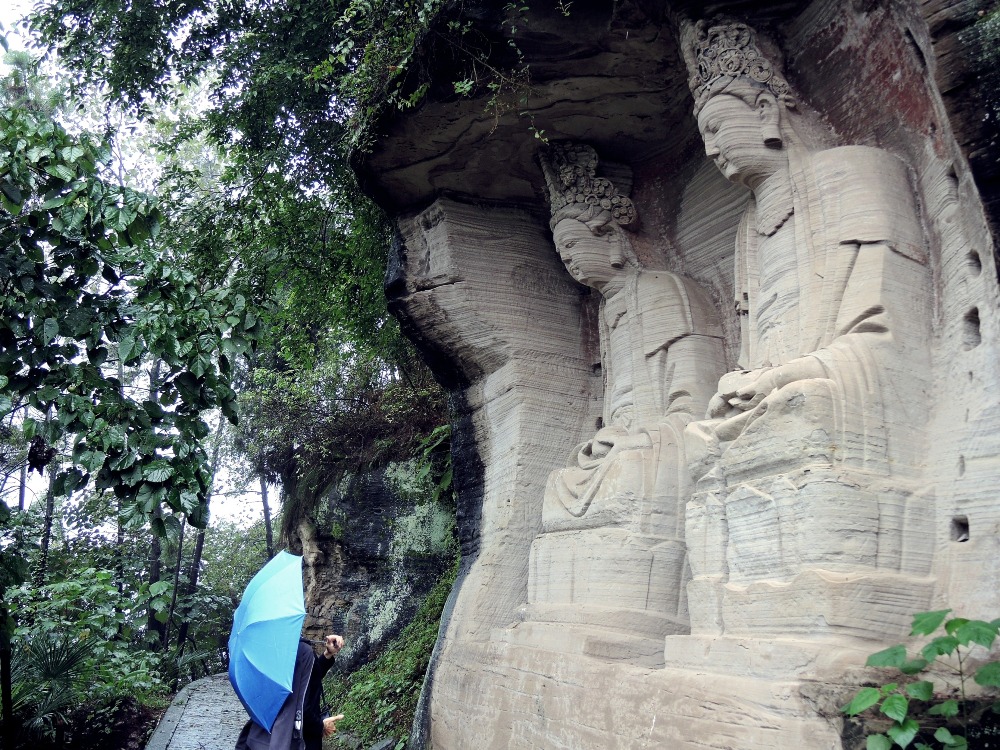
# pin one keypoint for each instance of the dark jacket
(299, 723)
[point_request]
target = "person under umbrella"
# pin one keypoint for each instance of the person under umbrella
(275, 674)
(299, 724)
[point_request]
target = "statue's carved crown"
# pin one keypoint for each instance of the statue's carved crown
(725, 50)
(570, 171)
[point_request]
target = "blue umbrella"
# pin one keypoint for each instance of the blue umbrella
(265, 638)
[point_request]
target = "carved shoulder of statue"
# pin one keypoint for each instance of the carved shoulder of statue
(673, 307)
(870, 191)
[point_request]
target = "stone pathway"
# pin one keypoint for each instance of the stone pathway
(205, 715)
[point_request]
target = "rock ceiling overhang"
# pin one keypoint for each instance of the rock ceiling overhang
(611, 76)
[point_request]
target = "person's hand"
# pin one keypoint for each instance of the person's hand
(333, 644)
(330, 724)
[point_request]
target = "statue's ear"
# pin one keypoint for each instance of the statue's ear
(770, 116)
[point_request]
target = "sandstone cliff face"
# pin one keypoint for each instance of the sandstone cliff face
(858, 487)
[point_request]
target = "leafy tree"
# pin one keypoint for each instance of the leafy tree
(82, 284)
(87, 295)
(255, 201)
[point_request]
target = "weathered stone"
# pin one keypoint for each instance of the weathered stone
(842, 474)
(371, 554)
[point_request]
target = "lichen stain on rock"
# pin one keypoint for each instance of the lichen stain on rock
(373, 550)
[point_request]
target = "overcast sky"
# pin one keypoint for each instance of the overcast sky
(10, 12)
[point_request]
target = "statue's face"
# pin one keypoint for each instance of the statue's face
(734, 140)
(586, 256)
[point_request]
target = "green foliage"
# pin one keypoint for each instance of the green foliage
(76, 645)
(380, 699)
(895, 700)
(370, 65)
(435, 460)
(349, 414)
(84, 286)
(313, 76)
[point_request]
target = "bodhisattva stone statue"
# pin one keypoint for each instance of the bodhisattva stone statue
(808, 467)
(614, 516)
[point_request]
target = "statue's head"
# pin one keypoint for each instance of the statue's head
(741, 100)
(588, 214)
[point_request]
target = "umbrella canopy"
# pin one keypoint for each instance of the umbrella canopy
(265, 638)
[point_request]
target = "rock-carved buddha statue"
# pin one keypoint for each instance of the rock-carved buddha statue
(613, 516)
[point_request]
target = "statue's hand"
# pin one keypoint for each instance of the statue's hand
(604, 441)
(607, 441)
(743, 390)
(767, 380)
(728, 399)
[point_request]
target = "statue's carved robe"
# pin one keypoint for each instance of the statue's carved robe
(830, 267)
(661, 353)
(819, 475)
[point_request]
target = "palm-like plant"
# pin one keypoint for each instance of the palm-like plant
(49, 677)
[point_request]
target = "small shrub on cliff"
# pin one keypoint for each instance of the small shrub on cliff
(919, 709)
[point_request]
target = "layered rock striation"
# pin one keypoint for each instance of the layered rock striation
(722, 349)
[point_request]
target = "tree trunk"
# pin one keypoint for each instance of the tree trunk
(199, 545)
(41, 572)
(192, 586)
(155, 547)
(268, 534)
(155, 569)
(23, 488)
(177, 581)
(120, 549)
(6, 689)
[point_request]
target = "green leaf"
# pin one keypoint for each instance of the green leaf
(988, 675)
(896, 707)
(946, 738)
(61, 171)
(878, 742)
(922, 691)
(940, 646)
(925, 623)
(894, 656)
(97, 356)
(57, 201)
(11, 192)
(947, 709)
(126, 348)
(92, 460)
(912, 666)
(157, 473)
(50, 329)
(865, 699)
(173, 527)
(954, 624)
(189, 501)
(903, 734)
(976, 631)
(155, 589)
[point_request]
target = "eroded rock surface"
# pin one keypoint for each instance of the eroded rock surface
(750, 279)
(372, 552)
